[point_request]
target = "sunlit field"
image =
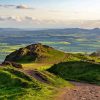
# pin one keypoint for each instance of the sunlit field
(36, 66)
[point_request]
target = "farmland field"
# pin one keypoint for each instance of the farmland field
(68, 40)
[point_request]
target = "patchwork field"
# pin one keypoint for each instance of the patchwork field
(68, 40)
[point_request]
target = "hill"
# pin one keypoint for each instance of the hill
(38, 53)
(95, 54)
(77, 71)
(31, 85)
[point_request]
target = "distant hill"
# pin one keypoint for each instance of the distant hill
(38, 53)
(95, 54)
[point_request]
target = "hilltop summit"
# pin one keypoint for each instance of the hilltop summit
(37, 53)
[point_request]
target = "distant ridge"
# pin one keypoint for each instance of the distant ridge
(38, 29)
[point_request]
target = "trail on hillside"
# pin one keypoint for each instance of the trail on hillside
(82, 91)
(37, 75)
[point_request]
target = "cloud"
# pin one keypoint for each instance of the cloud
(2, 18)
(19, 18)
(56, 11)
(27, 19)
(82, 23)
(16, 6)
(90, 24)
(23, 7)
(65, 23)
(11, 18)
(7, 6)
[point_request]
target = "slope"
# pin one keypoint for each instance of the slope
(78, 71)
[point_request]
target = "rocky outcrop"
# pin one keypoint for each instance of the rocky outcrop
(13, 64)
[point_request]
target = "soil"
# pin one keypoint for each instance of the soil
(81, 91)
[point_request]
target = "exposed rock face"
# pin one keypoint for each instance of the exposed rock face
(13, 64)
(37, 53)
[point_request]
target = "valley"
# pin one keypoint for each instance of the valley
(73, 40)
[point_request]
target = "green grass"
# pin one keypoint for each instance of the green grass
(17, 85)
(78, 71)
(54, 80)
(38, 66)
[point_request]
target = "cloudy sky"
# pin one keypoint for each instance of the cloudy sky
(49, 13)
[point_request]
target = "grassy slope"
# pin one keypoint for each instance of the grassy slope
(16, 85)
(78, 71)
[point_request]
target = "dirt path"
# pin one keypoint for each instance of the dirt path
(37, 75)
(82, 91)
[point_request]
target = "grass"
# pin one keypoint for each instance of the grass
(17, 85)
(38, 66)
(26, 93)
(53, 43)
(77, 71)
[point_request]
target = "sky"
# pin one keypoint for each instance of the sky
(49, 13)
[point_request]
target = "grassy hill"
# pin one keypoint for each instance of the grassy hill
(19, 85)
(77, 71)
(36, 79)
(39, 53)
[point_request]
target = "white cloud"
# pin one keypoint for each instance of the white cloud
(17, 6)
(65, 23)
(28, 19)
(23, 7)
(11, 18)
(2, 18)
(7, 6)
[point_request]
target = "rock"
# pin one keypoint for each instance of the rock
(16, 65)
(75, 90)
